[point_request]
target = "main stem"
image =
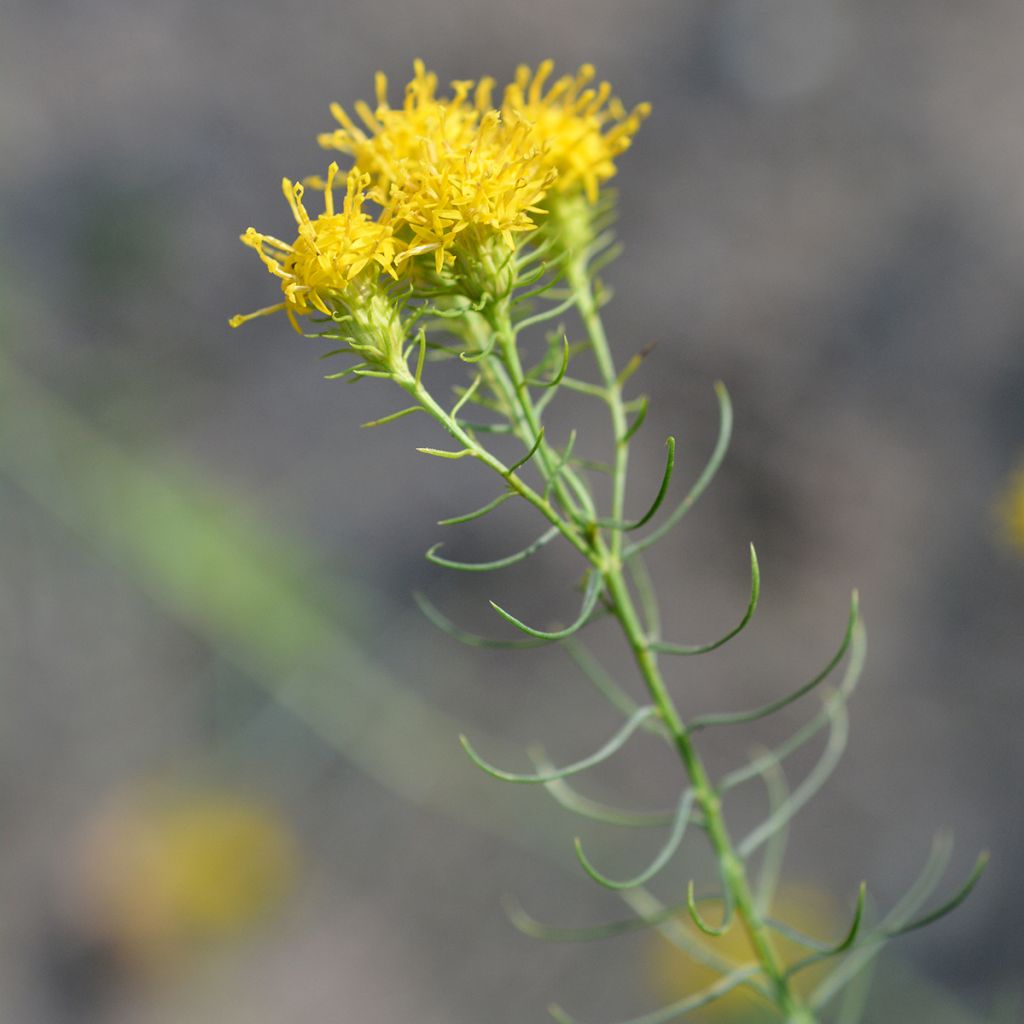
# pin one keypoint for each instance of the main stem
(732, 867)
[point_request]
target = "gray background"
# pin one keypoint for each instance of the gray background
(826, 210)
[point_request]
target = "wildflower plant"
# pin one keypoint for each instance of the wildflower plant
(469, 220)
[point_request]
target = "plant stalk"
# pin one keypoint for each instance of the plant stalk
(733, 869)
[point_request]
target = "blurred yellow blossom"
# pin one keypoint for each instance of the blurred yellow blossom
(674, 975)
(1010, 510)
(157, 875)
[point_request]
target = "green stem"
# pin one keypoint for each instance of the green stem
(500, 320)
(579, 282)
(733, 869)
(416, 389)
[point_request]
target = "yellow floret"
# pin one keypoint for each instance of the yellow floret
(329, 252)
(449, 171)
(578, 131)
(391, 137)
(460, 194)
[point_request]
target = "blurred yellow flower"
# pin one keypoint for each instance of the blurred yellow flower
(578, 131)
(673, 975)
(329, 252)
(1010, 511)
(158, 875)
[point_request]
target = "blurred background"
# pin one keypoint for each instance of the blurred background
(229, 778)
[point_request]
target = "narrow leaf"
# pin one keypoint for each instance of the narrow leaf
(807, 732)
(465, 397)
(705, 478)
(470, 639)
(666, 478)
(755, 594)
(637, 423)
(394, 416)
(734, 718)
(564, 795)
(976, 872)
(611, 747)
(707, 929)
(817, 777)
(589, 603)
(446, 455)
(529, 925)
(663, 857)
(422, 341)
(547, 314)
(557, 379)
(478, 513)
(843, 945)
(529, 455)
(498, 563)
(674, 1011)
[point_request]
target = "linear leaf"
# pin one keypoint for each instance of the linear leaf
(498, 563)
(529, 455)
(705, 478)
(663, 857)
(477, 513)
(807, 732)
(676, 1010)
(670, 461)
(589, 603)
(529, 925)
(564, 795)
(817, 778)
(611, 747)
(470, 639)
(755, 594)
(840, 947)
(737, 717)
(707, 929)
(394, 416)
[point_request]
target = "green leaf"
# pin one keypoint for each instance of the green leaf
(755, 593)
(498, 563)
(611, 747)
(705, 478)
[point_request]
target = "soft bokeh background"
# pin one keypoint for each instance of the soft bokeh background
(228, 776)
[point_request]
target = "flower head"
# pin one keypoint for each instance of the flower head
(390, 138)
(578, 130)
(328, 255)
(459, 195)
(447, 170)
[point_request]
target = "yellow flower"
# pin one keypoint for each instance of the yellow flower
(329, 253)
(452, 172)
(578, 131)
(157, 873)
(459, 195)
(1010, 511)
(393, 137)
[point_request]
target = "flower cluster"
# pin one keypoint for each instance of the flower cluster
(450, 178)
